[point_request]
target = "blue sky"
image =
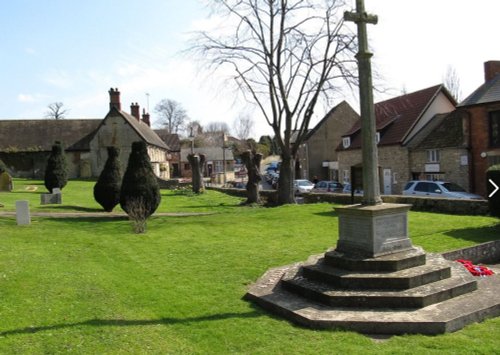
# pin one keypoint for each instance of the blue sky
(74, 51)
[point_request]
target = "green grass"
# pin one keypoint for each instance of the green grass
(91, 286)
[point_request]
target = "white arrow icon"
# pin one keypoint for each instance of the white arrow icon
(496, 188)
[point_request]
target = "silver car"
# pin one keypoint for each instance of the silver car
(301, 186)
(442, 189)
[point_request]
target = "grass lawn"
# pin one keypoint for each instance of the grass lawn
(91, 286)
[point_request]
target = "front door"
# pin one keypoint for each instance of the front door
(387, 182)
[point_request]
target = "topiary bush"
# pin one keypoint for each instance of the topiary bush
(493, 173)
(56, 171)
(140, 192)
(108, 186)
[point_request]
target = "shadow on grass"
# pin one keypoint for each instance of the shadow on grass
(327, 214)
(133, 322)
(75, 208)
(477, 235)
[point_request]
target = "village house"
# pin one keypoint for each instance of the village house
(398, 121)
(317, 156)
(440, 151)
(26, 144)
(483, 107)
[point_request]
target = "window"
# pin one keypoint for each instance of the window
(433, 156)
(494, 126)
(346, 142)
(377, 137)
(427, 187)
(346, 176)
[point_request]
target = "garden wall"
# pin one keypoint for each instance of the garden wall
(442, 205)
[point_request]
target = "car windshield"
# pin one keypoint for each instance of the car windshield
(304, 183)
(452, 187)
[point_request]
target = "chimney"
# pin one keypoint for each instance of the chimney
(114, 99)
(145, 118)
(491, 69)
(134, 111)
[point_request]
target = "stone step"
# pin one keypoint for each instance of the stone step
(439, 318)
(436, 268)
(391, 262)
(458, 284)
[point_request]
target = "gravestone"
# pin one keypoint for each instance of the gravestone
(22, 213)
(55, 198)
(5, 182)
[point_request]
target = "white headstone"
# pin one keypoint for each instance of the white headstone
(22, 213)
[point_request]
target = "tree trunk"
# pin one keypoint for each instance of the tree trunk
(252, 163)
(197, 162)
(286, 193)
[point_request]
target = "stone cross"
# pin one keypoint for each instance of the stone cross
(371, 187)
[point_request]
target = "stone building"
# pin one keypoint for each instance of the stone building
(317, 156)
(483, 106)
(26, 144)
(398, 120)
(440, 151)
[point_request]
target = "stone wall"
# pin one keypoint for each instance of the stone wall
(483, 253)
(441, 205)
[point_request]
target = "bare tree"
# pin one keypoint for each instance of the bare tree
(56, 111)
(243, 126)
(286, 55)
(452, 83)
(216, 126)
(172, 115)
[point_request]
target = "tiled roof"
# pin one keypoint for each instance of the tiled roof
(40, 135)
(442, 131)
(171, 139)
(486, 93)
(211, 153)
(142, 129)
(397, 116)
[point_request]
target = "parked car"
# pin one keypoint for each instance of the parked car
(347, 189)
(437, 189)
(301, 186)
(328, 186)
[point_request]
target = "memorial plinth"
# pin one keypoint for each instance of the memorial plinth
(371, 231)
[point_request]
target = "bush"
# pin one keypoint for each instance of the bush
(107, 188)
(56, 171)
(140, 193)
(493, 173)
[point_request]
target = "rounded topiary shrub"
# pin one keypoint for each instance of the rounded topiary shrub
(108, 186)
(56, 171)
(493, 173)
(140, 192)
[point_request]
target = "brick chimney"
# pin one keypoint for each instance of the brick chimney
(145, 118)
(114, 99)
(491, 69)
(135, 111)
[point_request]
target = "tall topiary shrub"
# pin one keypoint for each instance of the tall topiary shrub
(493, 174)
(140, 192)
(108, 186)
(56, 171)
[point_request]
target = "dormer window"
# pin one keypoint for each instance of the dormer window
(346, 142)
(377, 137)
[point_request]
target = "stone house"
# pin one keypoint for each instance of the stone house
(483, 106)
(440, 151)
(216, 158)
(398, 120)
(317, 156)
(26, 144)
